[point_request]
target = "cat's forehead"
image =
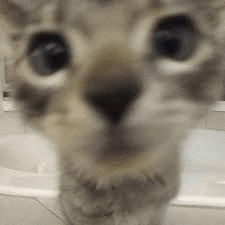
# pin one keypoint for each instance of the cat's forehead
(106, 10)
(96, 11)
(113, 13)
(128, 5)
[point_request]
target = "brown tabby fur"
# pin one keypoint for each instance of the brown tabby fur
(124, 174)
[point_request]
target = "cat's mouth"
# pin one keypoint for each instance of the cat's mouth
(119, 144)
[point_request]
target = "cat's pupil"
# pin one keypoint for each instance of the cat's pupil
(48, 55)
(173, 46)
(55, 55)
(168, 44)
(174, 40)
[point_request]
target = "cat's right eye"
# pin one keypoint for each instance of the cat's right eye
(48, 53)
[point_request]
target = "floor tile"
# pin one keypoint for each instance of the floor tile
(195, 216)
(25, 211)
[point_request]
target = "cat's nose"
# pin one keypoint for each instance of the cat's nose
(111, 81)
(114, 102)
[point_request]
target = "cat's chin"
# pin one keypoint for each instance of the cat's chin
(105, 177)
(111, 168)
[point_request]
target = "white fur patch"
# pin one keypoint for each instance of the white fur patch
(55, 80)
(48, 13)
(169, 67)
(139, 38)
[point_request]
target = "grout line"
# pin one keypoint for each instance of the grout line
(58, 217)
(36, 200)
(16, 196)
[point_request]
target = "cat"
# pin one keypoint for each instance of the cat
(116, 85)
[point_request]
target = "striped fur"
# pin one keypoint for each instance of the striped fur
(126, 173)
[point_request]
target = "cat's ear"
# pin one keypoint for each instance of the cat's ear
(18, 13)
(15, 15)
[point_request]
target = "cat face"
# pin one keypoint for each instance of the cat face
(115, 84)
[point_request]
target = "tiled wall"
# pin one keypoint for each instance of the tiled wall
(11, 123)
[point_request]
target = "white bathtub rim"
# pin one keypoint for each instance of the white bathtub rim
(199, 201)
(28, 192)
(9, 186)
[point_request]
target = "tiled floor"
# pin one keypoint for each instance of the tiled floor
(195, 216)
(24, 211)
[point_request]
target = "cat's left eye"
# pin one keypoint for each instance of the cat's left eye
(174, 38)
(48, 53)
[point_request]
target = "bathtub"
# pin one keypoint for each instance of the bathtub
(29, 168)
